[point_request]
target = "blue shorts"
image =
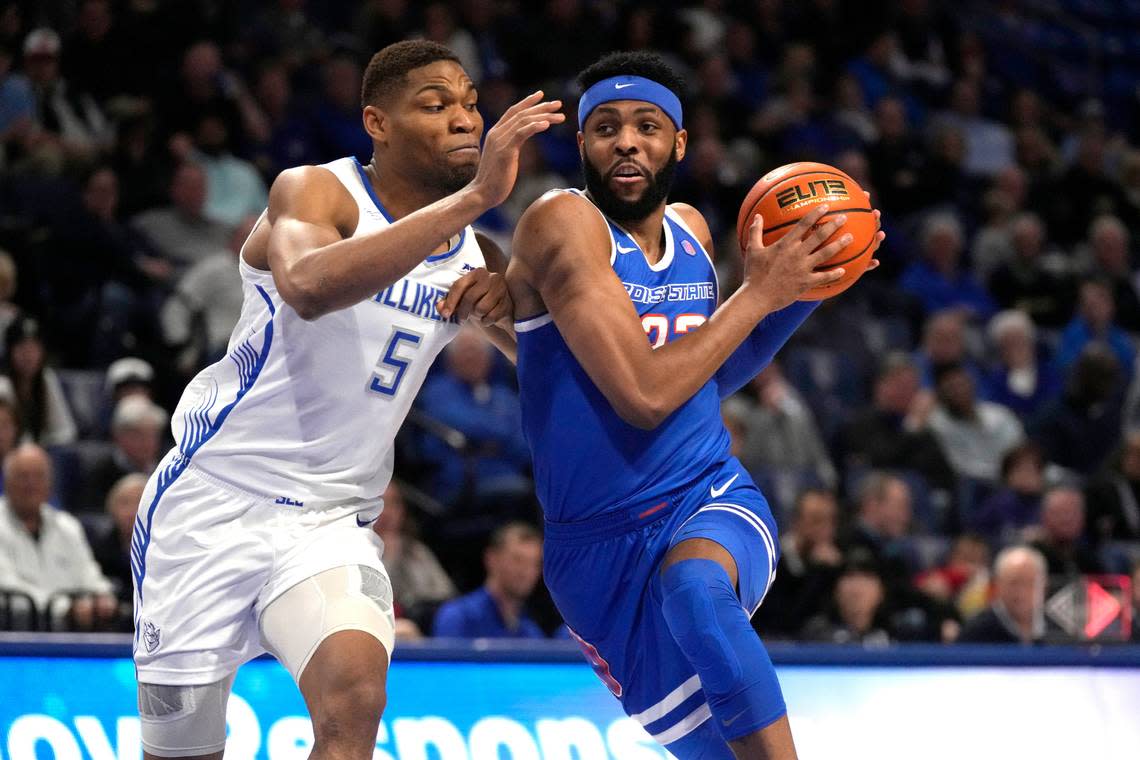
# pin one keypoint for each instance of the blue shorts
(603, 574)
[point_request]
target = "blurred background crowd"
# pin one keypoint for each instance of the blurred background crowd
(952, 447)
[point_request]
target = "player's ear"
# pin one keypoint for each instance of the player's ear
(375, 123)
(581, 146)
(680, 143)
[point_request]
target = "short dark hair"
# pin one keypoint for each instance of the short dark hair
(514, 530)
(388, 70)
(637, 64)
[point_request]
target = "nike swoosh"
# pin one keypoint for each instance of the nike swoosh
(364, 524)
(623, 86)
(730, 721)
(715, 492)
(625, 250)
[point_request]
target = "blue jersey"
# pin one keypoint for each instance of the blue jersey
(587, 460)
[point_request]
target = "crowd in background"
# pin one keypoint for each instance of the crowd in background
(946, 445)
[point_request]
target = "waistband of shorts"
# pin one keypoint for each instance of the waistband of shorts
(617, 521)
(277, 501)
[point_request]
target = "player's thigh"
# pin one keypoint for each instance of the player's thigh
(200, 560)
(335, 632)
(742, 524)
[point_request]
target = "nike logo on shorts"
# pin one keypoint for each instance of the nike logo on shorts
(729, 721)
(716, 492)
(364, 523)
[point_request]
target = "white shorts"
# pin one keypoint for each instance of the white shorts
(209, 558)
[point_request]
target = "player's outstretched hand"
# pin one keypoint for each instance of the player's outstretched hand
(499, 164)
(479, 294)
(781, 272)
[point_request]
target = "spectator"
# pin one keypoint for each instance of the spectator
(200, 314)
(513, 561)
(964, 578)
(234, 189)
(937, 279)
(112, 547)
(974, 434)
(1020, 380)
(1113, 498)
(892, 434)
(17, 108)
(97, 288)
(989, 144)
(337, 116)
(809, 565)
(781, 433)
(896, 158)
(857, 611)
(205, 86)
(943, 344)
(45, 417)
(1032, 280)
(10, 433)
(1108, 245)
(1096, 322)
(69, 125)
(419, 583)
(8, 310)
(1083, 190)
(136, 433)
(1017, 614)
(882, 524)
(129, 376)
(1005, 514)
(43, 551)
(182, 233)
(97, 58)
(290, 139)
(466, 398)
(1061, 535)
(1079, 430)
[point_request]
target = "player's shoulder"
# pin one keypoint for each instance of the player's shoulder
(695, 221)
(314, 189)
(556, 217)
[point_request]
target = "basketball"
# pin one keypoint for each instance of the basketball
(784, 195)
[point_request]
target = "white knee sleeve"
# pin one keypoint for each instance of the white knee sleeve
(353, 597)
(181, 721)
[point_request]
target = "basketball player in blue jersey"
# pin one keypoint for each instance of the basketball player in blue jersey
(253, 534)
(658, 547)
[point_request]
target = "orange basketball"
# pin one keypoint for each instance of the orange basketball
(785, 194)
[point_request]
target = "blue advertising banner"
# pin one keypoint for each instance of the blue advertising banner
(83, 708)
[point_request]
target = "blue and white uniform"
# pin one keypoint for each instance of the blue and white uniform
(283, 448)
(616, 497)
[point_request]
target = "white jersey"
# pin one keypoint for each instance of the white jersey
(306, 413)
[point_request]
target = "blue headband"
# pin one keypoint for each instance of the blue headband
(629, 88)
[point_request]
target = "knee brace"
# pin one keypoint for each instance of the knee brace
(182, 721)
(711, 627)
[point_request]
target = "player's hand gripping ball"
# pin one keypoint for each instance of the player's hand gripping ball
(785, 194)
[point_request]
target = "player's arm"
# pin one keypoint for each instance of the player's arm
(318, 268)
(561, 249)
(496, 325)
(768, 337)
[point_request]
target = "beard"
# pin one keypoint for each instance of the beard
(620, 210)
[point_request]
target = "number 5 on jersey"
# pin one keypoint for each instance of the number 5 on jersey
(394, 362)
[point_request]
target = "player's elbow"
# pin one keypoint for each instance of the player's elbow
(307, 306)
(643, 411)
(302, 295)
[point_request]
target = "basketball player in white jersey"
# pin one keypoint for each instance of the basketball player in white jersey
(253, 534)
